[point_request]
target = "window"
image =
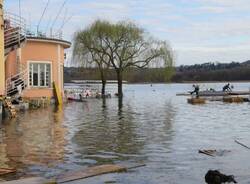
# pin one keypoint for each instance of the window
(39, 74)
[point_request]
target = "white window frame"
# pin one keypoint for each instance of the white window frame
(51, 72)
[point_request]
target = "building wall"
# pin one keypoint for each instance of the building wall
(41, 52)
(2, 68)
(10, 67)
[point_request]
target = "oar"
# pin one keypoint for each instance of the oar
(242, 144)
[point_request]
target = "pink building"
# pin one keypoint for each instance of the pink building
(33, 68)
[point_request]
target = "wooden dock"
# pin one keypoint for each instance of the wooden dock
(236, 99)
(196, 101)
(217, 93)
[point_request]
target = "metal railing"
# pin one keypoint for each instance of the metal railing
(58, 35)
(14, 81)
(14, 30)
(14, 36)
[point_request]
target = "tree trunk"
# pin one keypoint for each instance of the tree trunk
(120, 104)
(103, 102)
(103, 78)
(103, 87)
(119, 82)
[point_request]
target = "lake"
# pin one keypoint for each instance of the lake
(151, 125)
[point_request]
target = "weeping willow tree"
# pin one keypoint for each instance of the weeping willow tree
(89, 51)
(121, 46)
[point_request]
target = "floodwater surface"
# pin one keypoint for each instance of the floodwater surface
(151, 125)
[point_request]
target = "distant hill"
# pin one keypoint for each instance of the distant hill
(246, 63)
(233, 71)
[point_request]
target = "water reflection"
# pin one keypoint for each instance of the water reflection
(109, 136)
(35, 138)
(104, 103)
(120, 103)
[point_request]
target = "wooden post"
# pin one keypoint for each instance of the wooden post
(2, 62)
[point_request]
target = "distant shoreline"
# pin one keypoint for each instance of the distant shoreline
(183, 82)
(190, 82)
(240, 81)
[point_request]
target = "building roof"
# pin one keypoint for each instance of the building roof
(66, 44)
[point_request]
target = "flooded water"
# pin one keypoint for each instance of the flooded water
(151, 125)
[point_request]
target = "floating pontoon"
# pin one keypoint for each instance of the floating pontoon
(217, 93)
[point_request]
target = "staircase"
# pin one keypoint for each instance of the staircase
(14, 38)
(17, 83)
(11, 109)
(14, 32)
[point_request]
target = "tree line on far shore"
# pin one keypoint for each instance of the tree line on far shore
(131, 75)
(233, 71)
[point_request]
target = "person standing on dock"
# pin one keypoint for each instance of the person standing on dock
(196, 90)
(226, 87)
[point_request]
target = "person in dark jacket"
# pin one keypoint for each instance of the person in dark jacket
(226, 87)
(196, 90)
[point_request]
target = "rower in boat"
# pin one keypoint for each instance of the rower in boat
(226, 87)
(196, 90)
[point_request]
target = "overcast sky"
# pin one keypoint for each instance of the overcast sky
(198, 30)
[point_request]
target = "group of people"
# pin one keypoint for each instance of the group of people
(226, 87)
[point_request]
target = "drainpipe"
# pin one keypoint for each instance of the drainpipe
(2, 62)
